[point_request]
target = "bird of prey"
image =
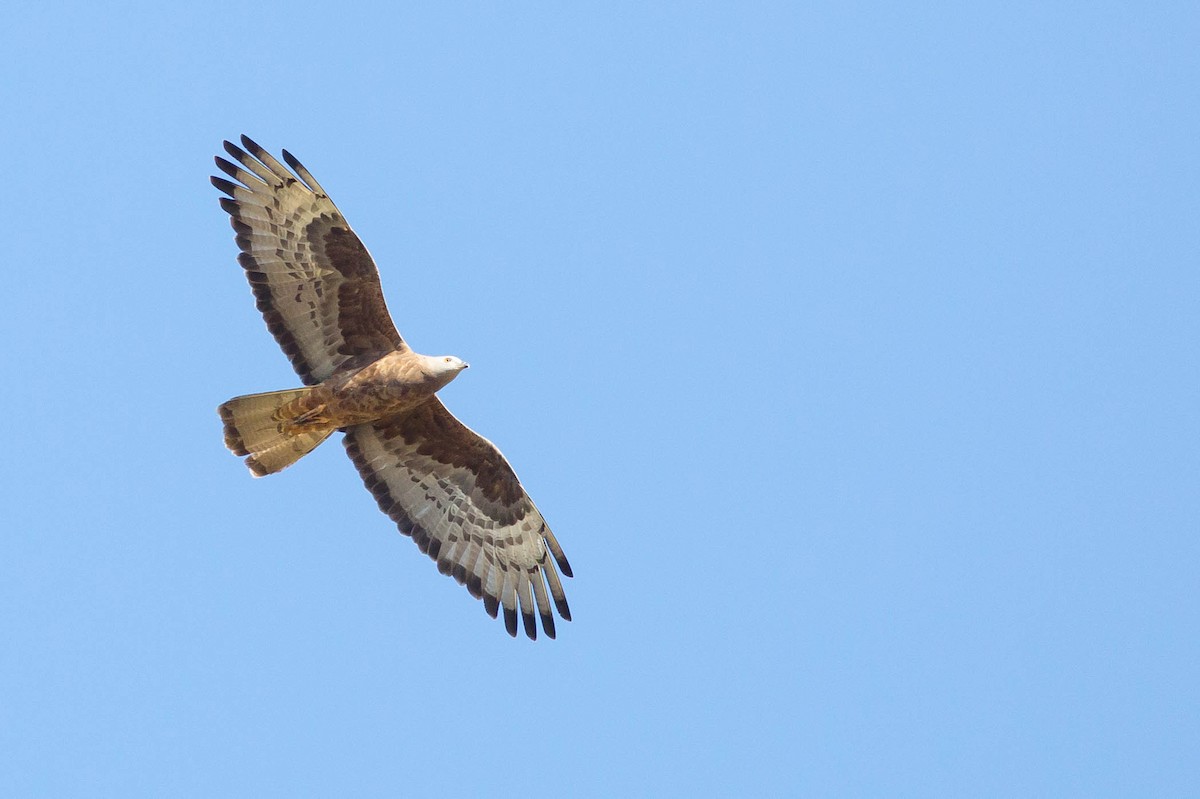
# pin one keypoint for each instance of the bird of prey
(443, 484)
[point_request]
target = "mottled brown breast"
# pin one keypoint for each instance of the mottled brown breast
(391, 386)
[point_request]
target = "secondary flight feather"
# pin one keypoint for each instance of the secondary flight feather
(444, 485)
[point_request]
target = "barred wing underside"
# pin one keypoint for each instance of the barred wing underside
(314, 281)
(454, 493)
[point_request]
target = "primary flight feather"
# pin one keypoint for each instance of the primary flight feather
(443, 484)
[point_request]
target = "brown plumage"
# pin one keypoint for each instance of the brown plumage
(444, 485)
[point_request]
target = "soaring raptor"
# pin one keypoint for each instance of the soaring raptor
(442, 483)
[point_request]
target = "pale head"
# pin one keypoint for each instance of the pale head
(443, 368)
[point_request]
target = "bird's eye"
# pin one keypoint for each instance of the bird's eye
(447, 360)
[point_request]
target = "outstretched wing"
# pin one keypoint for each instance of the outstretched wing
(455, 494)
(315, 282)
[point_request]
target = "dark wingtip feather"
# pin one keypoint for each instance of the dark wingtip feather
(530, 623)
(224, 185)
(230, 206)
(548, 625)
(563, 609)
(251, 145)
(565, 566)
(303, 173)
(510, 621)
(491, 605)
(226, 167)
(293, 162)
(234, 150)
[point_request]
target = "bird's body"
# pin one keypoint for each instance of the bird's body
(390, 386)
(444, 485)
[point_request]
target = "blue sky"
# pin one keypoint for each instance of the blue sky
(850, 350)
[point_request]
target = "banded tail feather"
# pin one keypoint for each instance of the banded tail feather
(258, 427)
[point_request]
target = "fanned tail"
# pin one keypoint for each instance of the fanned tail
(254, 427)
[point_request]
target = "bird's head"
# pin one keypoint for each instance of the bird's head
(444, 368)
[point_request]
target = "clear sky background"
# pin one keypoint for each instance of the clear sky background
(851, 351)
